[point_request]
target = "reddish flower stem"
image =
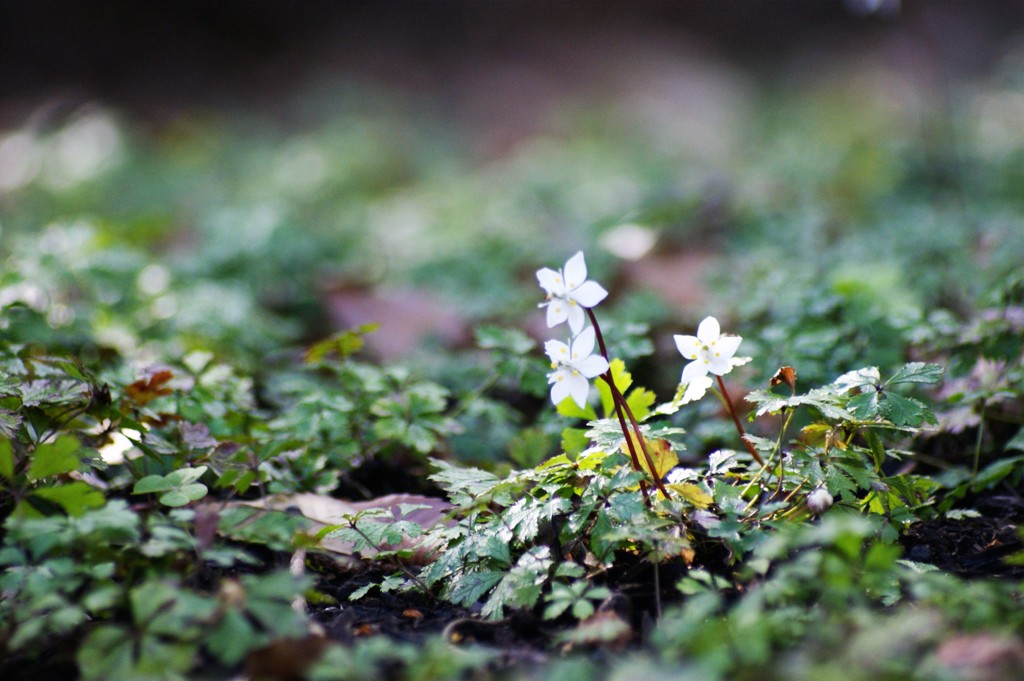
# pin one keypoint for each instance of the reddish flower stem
(736, 420)
(622, 406)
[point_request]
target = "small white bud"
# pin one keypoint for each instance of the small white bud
(819, 500)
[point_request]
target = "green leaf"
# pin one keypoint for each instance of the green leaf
(463, 484)
(1016, 443)
(106, 653)
(180, 486)
(916, 372)
(6, 459)
(660, 452)
(194, 491)
(9, 423)
(570, 409)
(903, 411)
(529, 447)
(861, 378)
(52, 392)
(232, 638)
(574, 440)
(692, 493)
(54, 458)
(152, 483)
(342, 344)
(174, 498)
(997, 471)
(640, 402)
(525, 516)
(864, 406)
(622, 378)
(185, 476)
(470, 588)
(75, 497)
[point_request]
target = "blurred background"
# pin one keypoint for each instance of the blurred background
(242, 176)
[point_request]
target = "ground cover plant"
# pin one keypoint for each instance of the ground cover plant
(207, 469)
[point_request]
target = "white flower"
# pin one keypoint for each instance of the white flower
(573, 365)
(569, 292)
(711, 351)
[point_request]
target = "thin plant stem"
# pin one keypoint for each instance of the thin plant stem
(736, 420)
(977, 443)
(622, 406)
(778, 448)
(629, 442)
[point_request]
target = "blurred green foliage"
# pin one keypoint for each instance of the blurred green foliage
(168, 338)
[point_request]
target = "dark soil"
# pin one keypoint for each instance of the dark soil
(971, 546)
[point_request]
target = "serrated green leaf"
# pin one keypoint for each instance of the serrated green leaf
(640, 401)
(54, 458)
(860, 378)
(464, 484)
(525, 516)
(43, 392)
(9, 423)
(864, 406)
(875, 447)
(660, 452)
(470, 588)
(917, 372)
(902, 411)
(521, 586)
(623, 379)
(692, 493)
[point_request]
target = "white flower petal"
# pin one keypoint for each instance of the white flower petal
(696, 389)
(557, 351)
(709, 331)
(575, 315)
(688, 346)
(551, 281)
(592, 366)
(588, 294)
(559, 389)
(579, 388)
(575, 271)
(583, 344)
(693, 371)
(719, 366)
(558, 312)
(727, 346)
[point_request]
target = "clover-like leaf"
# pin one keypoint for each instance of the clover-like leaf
(179, 487)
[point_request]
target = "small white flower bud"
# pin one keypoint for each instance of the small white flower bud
(819, 500)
